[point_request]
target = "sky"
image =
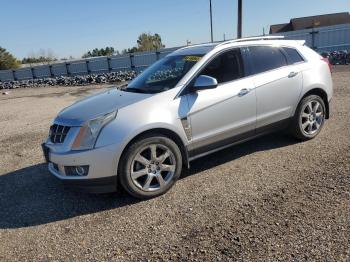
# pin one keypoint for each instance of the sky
(71, 28)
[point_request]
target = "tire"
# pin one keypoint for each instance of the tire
(145, 174)
(309, 118)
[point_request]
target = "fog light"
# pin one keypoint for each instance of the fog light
(80, 170)
(77, 170)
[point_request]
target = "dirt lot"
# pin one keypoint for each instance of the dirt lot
(269, 199)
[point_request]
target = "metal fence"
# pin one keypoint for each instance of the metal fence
(321, 39)
(330, 38)
(136, 62)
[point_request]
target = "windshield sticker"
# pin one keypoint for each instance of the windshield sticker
(192, 58)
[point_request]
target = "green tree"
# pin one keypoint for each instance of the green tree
(157, 42)
(108, 51)
(146, 42)
(7, 60)
(40, 59)
(149, 42)
(130, 50)
(42, 56)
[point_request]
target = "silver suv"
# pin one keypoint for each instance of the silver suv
(193, 102)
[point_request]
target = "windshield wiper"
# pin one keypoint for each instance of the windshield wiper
(136, 90)
(122, 86)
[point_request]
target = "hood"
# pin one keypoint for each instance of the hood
(99, 104)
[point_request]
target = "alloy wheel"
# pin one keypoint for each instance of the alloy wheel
(312, 117)
(153, 167)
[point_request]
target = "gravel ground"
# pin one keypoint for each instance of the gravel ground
(269, 199)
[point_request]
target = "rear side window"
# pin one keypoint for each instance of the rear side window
(266, 58)
(225, 67)
(293, 55)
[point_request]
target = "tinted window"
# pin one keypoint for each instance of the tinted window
(293, 55)
(225, 67)
(265, 58)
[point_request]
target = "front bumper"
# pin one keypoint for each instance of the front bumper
(102, 162)
(93, 186)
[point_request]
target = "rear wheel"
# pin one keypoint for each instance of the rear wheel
(309, 118)
(150, 166)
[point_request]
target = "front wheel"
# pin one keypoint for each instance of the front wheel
(309, 118)
(150, 166)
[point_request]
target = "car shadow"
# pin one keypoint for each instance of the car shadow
(263, 143)
(31, 196)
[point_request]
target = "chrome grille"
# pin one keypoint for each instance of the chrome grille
(58, 133)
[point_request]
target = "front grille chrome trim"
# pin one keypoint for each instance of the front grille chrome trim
(58, 133)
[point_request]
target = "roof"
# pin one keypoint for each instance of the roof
(203, 49)
(311, 22)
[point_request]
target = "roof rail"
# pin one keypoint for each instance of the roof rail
(195, 45)
(252, 39)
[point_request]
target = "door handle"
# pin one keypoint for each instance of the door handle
(292, 74)
(244, 91)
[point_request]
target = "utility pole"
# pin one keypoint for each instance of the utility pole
(239, 23)
(211, 22)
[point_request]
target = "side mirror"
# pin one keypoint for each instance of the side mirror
(204, 82)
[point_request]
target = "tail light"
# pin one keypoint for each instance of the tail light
(325, 59)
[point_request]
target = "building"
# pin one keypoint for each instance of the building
(322, 32)
(311, 22)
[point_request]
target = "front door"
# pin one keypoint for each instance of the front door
(221, 116)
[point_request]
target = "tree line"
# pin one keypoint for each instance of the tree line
(145, 42)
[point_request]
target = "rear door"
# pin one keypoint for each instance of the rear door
(278, 84)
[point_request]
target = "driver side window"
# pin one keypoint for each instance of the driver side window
(226, 67)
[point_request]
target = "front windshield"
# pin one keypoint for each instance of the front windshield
(164, 74)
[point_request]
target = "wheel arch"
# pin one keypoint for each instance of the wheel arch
(160, 131)
(321, 93)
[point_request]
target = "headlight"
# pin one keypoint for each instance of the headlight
(88, 133)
